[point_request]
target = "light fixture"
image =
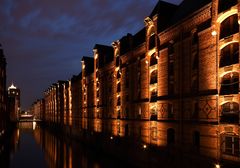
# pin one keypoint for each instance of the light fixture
(144, 146)
(217, 165)
(214, 33)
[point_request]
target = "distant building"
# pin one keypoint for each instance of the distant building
(3, 93)
(38, 109)
(14, 106)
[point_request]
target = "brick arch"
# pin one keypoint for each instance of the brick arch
(230, 83)
(153, 77)
(229, 26)
(229, 54)
(153, 59)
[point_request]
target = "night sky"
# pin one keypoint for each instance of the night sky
(44, 40)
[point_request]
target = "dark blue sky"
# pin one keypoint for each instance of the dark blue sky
(44, 40)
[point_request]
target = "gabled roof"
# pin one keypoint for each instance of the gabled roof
(168, 15)
(163, 7)
(139, 37)
(187, 7)
(105, 54)
(89, 64)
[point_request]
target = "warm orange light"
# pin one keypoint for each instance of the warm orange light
(146, 62)
(217, 166)
(214, 33)
(144, 146)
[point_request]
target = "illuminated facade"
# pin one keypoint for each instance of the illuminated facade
(14, 103)
(76, 92)
(3, 93)
(175, 83)
(38, 109)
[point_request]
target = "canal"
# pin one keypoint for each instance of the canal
(31, 146)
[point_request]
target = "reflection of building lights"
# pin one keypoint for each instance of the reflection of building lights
(34, 125)
(217, 166)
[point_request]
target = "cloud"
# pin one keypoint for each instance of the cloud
(44, 40)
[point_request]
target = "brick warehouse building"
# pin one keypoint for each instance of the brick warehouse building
(174, 83)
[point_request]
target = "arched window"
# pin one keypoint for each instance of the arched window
(153, 77)
(153, 113)
(229, 55)
(151, 42)
(170, 111)
(230, 112)
(230, 83)
(194, 86)
(170, 136)
(195, 38)
(226, 4)
(229, 26)
(230, 144)
(118, 74)
(195, 113)
(119, 87)
(153, 59)
(196, 139)
(154, 93)
(118, 101)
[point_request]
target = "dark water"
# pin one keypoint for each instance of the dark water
(33, 147)
(30, 146)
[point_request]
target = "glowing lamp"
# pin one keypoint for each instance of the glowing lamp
(214, 33)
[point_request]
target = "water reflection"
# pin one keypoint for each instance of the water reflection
(32, 146)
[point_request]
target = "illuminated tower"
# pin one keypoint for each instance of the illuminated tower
(14, 102)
